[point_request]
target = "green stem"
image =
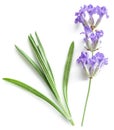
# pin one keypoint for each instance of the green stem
(72, 122)
(92, 53)
(86, 102)
(68, 116)
(68, 110)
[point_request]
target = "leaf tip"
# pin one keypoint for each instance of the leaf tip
(16, 46)
(4, 78)
(35, 33)
(72, 43)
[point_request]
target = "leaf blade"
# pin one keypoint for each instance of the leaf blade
(43, 66)
(34, 65)
(35, 92)
(67, 71)
(30, 61)
(44, 55)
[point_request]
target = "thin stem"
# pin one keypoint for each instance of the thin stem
(68, 116)
(68, 108)
(72, 122)
(86, 102)
(92, 53)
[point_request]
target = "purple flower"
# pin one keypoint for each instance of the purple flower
(99, 33)
(87, 30)
(101, 11)
(95, 36)
(86, 12)
(83, 59)
(93, 64)
(91, 9)
(80, 16)
(92, 39)
(100, 59)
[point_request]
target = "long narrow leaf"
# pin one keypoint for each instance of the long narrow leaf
(67, 71)
(34, 65)
(35, 92)
(31, 62)
(41, 51)
(44, 68)
(44, 55)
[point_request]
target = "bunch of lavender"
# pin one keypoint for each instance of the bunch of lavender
(90, 17)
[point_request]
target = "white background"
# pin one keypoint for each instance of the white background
(54, 22)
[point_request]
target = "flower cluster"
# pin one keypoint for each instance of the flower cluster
(93, 64)
(90, 11)
(91, 40)
(90, 17)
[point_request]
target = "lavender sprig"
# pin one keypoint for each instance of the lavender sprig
(91, 64)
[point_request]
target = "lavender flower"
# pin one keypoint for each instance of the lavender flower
(89, 11)
(101, 11)
(93, 64)
(83, 59)
(92, 40)
(87, 17)
(81, 16)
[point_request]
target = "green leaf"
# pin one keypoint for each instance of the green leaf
(41, 49)
(34, 65)
(31, 62)
(35, 92)
(44, 67)
(67, 71)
